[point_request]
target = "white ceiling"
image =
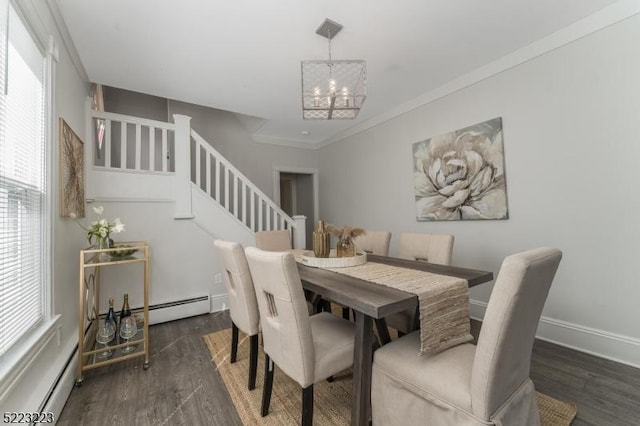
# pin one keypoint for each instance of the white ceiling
(244, 56)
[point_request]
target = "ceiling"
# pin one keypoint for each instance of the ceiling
(244, 56)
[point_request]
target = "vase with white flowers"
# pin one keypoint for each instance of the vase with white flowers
(99, 232)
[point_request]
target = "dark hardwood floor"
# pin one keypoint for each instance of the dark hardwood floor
(182, 387)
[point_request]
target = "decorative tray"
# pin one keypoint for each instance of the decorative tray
(121, 251)
(309, 259)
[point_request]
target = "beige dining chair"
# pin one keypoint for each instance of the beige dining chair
(487, 384)
(274, 240)
(374, 242)
(306, 348)
(243, 306)
(432, 248)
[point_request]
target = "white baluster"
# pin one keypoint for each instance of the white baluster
(207, 171)
(138, 154)
(123, 145)
(197, 163)
(244, 203)
(226, 188)
(152, 148)
(107, 143)
(253, 210)
(217, 180)
(269, 210)
(235, 196)
(165, 153)
(260, 228)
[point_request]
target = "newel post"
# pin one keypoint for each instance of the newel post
(300, 232)
(182, 163)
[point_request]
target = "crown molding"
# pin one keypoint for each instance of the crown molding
(291, 143)
(608, 16)
(69, 46)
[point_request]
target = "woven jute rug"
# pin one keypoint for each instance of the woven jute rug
(332, 401)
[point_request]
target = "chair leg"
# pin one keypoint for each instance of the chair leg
(253, 360)
(346, 313)
(307, 406)
(234, 342)
(269, 366)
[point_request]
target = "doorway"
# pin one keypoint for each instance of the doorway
(296, 192)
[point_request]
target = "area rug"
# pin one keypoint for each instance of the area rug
(332, 401)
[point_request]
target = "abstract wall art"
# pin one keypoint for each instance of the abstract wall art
(460, 175)
(71, 172)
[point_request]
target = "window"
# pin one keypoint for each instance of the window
(24, 258)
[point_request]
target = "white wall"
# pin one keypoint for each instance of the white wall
(572, 144)
(71, 89)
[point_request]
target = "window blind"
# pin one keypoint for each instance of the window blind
(22, 182)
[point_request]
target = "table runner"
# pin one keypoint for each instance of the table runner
(443, 300)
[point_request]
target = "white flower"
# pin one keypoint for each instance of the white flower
(101, 229)
(118, 226)
(73, 215)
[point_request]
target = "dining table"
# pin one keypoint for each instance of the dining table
(371, 303)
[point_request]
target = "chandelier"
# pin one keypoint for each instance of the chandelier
(332, 90)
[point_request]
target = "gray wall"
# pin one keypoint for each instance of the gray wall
(571, 138)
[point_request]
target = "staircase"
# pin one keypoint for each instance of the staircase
(172, 161)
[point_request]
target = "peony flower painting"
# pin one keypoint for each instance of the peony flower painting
(460, 175)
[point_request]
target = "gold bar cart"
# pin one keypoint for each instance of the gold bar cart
(91, 262)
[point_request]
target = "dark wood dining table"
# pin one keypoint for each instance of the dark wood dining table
(371, 303)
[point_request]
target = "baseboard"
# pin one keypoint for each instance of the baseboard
(170, 311)
(219, 303)
(611, 346)
(64, 385)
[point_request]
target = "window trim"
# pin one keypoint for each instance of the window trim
(17, 360)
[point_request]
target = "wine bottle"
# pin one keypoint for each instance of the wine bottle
(111, 316)
(126, 311)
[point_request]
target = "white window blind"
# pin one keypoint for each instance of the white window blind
(22, 181)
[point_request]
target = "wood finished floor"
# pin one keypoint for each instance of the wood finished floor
(182, 387)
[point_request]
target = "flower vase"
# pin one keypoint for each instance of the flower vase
(346, 247)
(103, 243)
(321, 240)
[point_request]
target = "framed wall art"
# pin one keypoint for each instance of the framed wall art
(460, 175)
(71, 172)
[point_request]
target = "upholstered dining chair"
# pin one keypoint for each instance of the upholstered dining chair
(243, 306)
(374, 242)
(487, 384)
(432, 248)
(306, 348)
(274, 240)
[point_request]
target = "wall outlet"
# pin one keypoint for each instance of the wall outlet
(217, 278)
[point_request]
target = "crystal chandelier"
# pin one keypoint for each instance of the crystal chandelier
(333, 90)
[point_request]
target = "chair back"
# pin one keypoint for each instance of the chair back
(432, 248)
(243, 306)
(375, 242)
(503, 356)
(286, 330)
(274, 240)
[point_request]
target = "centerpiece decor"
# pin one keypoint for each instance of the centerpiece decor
(345, 247)
(321, 240)
(99, 232)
